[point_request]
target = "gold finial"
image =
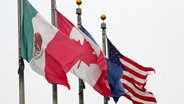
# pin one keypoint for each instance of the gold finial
(103, 17)
(79, 2)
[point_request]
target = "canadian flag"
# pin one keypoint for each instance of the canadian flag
(91, 66)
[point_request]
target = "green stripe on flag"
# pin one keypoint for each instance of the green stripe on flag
(27, 34)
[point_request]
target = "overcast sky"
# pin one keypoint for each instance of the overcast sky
(151, 32)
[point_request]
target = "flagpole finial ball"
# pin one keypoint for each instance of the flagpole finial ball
(79, 2)
(103, 17)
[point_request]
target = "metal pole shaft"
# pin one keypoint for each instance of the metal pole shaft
(81, 83)
(21, 81)
(54, 94)
(53, 13)
(104, 41)
(104, 38)
(79, 20)
(21, 61)
(54, 22)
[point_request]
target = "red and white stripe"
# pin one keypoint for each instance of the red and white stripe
(134, 81)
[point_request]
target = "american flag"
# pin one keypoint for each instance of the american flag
(134, 77)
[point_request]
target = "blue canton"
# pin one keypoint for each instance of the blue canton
(114, 54)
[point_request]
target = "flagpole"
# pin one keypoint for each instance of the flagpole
(104, 45)
(79, 23)
(21, 61)
(54, 22)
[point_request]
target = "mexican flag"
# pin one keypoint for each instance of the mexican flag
(50, 52)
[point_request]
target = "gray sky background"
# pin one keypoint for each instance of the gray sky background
(151, 32)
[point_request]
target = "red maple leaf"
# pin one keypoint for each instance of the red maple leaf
(88, 56)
